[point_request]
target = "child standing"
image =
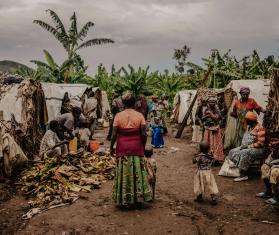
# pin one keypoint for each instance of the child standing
(157, 133)
(151, 167)
(204, 179)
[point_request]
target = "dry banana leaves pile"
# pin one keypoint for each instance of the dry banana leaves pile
(57, 182)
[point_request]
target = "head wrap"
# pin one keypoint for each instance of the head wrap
(127, 95)
(251, 116)
(244, 90)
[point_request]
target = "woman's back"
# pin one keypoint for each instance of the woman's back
(129, 118)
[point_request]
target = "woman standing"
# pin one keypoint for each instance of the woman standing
(129, 132)
(212, 134)
(241, 107)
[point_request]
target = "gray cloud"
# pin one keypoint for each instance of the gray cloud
(145, 31)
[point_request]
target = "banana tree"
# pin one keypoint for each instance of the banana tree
(35, 74)
(134, 80)
(51, 71)
(72, 39)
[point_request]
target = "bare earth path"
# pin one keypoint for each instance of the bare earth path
(174, 211)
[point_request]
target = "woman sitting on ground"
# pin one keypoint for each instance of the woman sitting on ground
(131, 179)
(251, 147)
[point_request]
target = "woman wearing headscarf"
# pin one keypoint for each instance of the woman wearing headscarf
(131, 179)
(241, 107)
(251, 147)
(211, 118)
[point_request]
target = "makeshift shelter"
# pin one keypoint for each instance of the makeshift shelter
(259, 91)
(24, 107)
(183, 99)
(30, 104)
(54, 94)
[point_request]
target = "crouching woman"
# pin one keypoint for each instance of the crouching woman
(131, 185)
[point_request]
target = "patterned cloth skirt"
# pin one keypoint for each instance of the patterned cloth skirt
(214, 138)
(131, 181)
(243, 158)
(271, 173)
(204, 182)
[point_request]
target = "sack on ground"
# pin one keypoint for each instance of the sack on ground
(229, 169)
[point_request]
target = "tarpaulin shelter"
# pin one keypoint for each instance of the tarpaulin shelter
(183, 99)
(24, 105)
(11, 102)
(33, 103)
(54, 94)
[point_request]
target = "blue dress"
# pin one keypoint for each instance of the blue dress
(157, 136)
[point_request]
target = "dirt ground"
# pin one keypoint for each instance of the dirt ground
(173, 212)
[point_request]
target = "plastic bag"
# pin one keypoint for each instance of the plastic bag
(229, 169)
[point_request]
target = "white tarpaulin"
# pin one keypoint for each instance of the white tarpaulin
(184, 99)
(54, 94)
(259, 91)
(10, 104)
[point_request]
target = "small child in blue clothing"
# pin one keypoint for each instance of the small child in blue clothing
(157, 133)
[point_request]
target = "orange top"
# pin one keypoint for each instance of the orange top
(249, 105)
(129, 118)
(259, 133)
(251, 116)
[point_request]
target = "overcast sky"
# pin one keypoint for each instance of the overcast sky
(145, 31)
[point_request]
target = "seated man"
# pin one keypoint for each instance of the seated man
(270, 174)
(251, 147)
(51, 145)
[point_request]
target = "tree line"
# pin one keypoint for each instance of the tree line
(224, 67)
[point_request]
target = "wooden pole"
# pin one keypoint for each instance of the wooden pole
(185, 119)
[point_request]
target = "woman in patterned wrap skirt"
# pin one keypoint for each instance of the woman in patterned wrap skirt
(131, 178)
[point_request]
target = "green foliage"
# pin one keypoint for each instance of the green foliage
(71, 39)
(225, 68)
(180, 55)
(70, 71)
(139, 81)
(28, 73)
